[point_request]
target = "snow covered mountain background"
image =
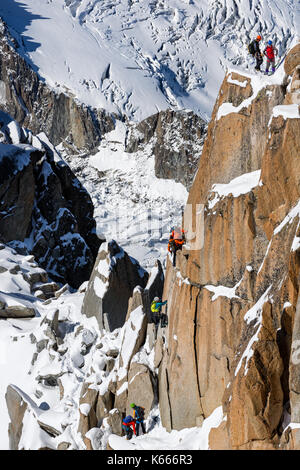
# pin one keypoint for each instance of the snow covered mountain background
(134, 59)
(138, 57)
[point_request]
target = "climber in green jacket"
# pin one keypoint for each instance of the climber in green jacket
(156, 306)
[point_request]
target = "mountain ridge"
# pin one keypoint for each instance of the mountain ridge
(138, 58)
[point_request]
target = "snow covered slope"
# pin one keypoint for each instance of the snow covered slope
(138, 57)
(131, 204)
(135, 58)
(61, 349)
(50, 376)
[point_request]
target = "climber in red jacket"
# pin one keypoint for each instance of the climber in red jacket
(270, 53)
(128, 426)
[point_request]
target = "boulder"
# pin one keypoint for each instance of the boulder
(87, 411)
(49, 429)
(141, 387)
(232, 338)
(49, 380)
(115, 421)
(105, 404)
(137, 300)
(19, 403)
(63, 446)
(39, 294)
(17, 311)
(17, 191)
(292, 60)
(114, 277)
(154, 288)
(48, 288)
(94, 439)
(151, 341)
(35, 105)
(143, 297)
(16, 409)
(113, 353)
(177, 138)
(133, 337)
(41, 198)
(50, 321)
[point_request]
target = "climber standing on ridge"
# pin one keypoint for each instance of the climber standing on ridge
(270, 53)
(138, 415)
(128, 426)
(156, 305)
(255, 52)
(176, 240)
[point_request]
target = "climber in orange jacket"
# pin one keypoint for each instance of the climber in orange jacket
(176, 241)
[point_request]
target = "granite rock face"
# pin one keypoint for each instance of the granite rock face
(176, 138)
(20, 406)
(292, 60)
(153, 288)
(16, 408)
(117, 367)
(17, 190)
(142, 385)
(233, 304)
(114, 277)
(42, 201)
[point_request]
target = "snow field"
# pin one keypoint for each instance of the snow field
(132, 205)
(141, 57)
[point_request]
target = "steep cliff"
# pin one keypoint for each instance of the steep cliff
(176, 138)
(44, 209)
(229, 356)
(233, 304)
(27, 98)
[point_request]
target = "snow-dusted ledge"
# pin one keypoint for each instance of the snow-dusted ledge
(241, 185)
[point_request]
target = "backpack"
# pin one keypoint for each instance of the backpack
(251, 48)
(154, 309)
(270, 52)
(128, 419)
(139, 412)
